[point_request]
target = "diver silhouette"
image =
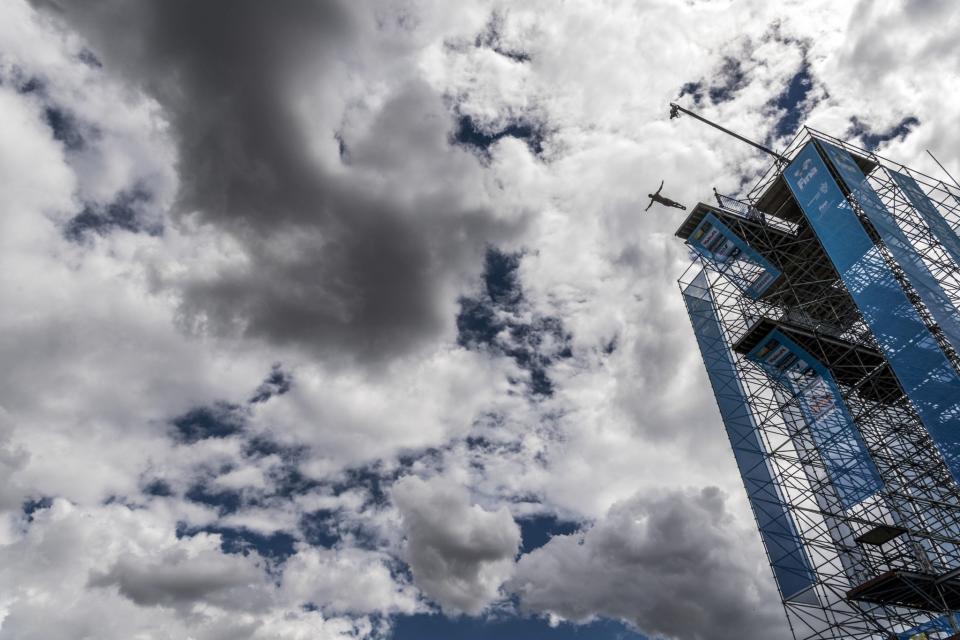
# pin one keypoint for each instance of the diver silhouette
(665, 201)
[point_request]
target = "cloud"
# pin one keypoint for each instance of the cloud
(352, 254)
(673, 564)
(886, 73)
(112, 572)
(178, 579)
(351, 417)
(459, 552)
(12, 459)
(348, 581)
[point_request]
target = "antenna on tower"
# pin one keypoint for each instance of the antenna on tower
(676, 109)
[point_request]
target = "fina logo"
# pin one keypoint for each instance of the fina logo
(807, 173)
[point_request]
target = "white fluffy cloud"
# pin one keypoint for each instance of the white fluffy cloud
(351, 581)
(111, 572)
(357, 416)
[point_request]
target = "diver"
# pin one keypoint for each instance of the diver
(665, 201)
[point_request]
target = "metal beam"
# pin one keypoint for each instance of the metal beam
(675, 109)
(943, 167)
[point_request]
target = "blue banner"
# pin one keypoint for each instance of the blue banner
(789, 561)
(731, 255)
(849, 465)
(904, 252)
(927, 377)
(940, 228)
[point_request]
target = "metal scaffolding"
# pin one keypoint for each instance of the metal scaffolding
(870, 498)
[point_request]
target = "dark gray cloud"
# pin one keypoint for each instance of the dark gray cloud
(673, 564)
(459, 553)
(180, 580)
(357, 255)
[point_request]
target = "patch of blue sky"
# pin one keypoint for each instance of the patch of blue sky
(470, 133)
(218, 420)
(536, 531)
(490, 321)
(276, 546)
(790, 102)
(873, 139)
(124, 213)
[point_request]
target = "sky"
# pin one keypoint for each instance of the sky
(342, 320)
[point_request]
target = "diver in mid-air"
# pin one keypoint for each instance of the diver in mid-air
(665, 201)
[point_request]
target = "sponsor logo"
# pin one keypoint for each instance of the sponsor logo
(807, 173)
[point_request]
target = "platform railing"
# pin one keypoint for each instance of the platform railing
(749, 212)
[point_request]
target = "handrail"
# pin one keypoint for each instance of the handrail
(747, 211)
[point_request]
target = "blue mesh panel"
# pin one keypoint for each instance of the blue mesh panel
(940, 228)
(934, 297)
(844, 453)
(791, 568)
(731, 255)
(923, 370)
